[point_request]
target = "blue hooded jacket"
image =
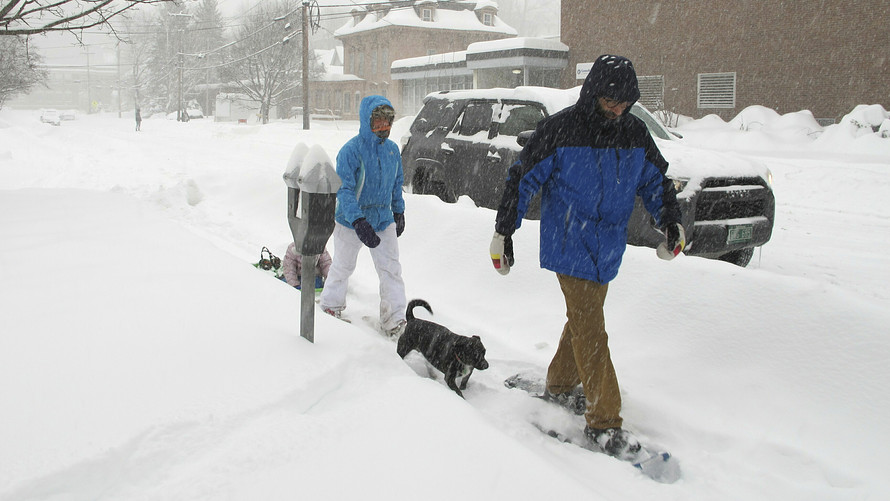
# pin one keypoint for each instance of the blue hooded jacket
(370, 171)
(590, 169)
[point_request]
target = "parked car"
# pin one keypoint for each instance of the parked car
(463, 142)
(67, 115)
(50, 116)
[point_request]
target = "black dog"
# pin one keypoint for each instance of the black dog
(455, 355)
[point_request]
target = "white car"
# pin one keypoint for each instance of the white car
(50, 116)
(68, 115)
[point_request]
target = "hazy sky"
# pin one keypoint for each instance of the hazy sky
(63, 48)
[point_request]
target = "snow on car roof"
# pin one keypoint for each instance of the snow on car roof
(552, 99)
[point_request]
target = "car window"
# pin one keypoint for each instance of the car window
(430, 116)
(475, 118)
(518, 118)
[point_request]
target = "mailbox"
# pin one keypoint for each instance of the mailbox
(312, 185)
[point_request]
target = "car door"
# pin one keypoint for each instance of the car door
(512, 117)
(465, 150)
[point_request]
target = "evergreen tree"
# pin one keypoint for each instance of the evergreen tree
(209, 30)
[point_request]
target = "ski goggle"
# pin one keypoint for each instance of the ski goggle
(382, 118)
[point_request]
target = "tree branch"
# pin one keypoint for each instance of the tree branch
(30, 17)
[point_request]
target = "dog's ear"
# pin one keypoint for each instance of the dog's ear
(477, 337)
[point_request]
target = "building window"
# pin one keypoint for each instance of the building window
(374, 61)
(346, 102)
(652, 91)
(384, 60)
(352, 60)
(487, 19)
(427, 15)
(358, 101)
(716, 90)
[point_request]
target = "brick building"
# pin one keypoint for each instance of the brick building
(720, 56)
(380, 33)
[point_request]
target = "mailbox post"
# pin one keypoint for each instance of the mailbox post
(312, 185)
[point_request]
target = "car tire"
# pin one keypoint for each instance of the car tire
(425, 186)
(739, 257)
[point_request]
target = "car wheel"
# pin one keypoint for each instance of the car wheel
(424, 186)
(739, 257)
(440, 189)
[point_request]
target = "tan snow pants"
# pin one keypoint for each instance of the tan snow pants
(583, 353)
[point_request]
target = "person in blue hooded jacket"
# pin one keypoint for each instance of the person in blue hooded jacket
(370, 212)
(589, 161)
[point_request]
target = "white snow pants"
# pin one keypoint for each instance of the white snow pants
(386, 261)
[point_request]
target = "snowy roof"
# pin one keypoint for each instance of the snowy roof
(330, 57)
(486, 3)
(517, 43)
(445, 19)
(448, 57)
(336, 74)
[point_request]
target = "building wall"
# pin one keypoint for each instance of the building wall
(361, 50)
(825, 56)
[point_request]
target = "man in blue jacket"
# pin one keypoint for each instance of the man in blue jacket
(590, 161)
(371, 212)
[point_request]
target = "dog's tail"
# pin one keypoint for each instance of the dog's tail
(417, 302)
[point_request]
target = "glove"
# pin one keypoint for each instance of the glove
(365, 232)
(676, 242)
(501, 251)
(400, 222)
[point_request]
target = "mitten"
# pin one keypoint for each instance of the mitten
(365, 232)
(501, 250)
(400, 222)
(676, 242)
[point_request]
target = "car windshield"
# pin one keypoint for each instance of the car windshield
(655, 127)
(430, 116)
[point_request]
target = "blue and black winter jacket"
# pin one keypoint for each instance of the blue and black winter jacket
(370, 171)
(589, 169)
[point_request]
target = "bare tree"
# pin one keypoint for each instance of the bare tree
(19, 68)
(30, 17)
(266, 64)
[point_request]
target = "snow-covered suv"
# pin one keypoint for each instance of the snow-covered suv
(463, 142)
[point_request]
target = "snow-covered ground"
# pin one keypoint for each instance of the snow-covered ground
(142, 357)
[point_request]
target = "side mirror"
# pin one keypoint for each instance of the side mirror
(523, 137)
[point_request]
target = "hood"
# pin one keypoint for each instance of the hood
(610, 76)
(364, 116)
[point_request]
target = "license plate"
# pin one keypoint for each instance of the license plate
(739, 233)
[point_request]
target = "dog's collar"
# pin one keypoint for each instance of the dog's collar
(459, 360)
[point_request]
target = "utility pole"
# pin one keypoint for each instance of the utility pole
(179, 101)
(305, 65)
(119, 94)
(89, 84)
(179, 109)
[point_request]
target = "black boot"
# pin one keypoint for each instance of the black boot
(574, 400)
(616, 442)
